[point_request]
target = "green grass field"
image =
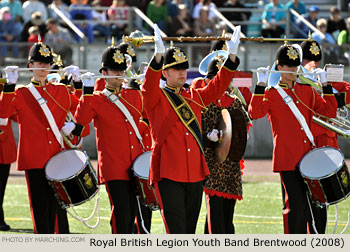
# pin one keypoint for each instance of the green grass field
(258, 213)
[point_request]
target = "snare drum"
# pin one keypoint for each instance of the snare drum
(72, 177)
(326, 175)
(140, 170)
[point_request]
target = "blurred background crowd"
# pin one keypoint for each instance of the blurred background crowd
(100, 20)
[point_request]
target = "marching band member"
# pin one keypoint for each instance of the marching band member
(41, 109)
(178, 166)
(224, 184)
(312, 55)
(116, 138)
(8, 151)
(291, 140)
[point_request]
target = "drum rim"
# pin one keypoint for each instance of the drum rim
(334, 202)
(132, 167)
(61, 180)
(328, 175)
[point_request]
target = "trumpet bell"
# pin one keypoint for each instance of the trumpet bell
(203, 66)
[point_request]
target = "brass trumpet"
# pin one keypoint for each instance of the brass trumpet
(137, 38)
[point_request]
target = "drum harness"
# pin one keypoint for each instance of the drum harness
(43, 104)
(289, 101)
(115, 99)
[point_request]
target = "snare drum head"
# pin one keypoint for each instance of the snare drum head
(141, 165)
(65, 164)
(321, 162)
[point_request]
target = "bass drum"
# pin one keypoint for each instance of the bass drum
(326, 175)
(140, 169)
(72, 177)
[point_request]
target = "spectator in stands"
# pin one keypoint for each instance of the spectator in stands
(34, 33)
(118, 12)
(335, 23)
(35, 20)
(204, 26)
(330, 51)
(298, 6)
(273, 14)
(197, 8)
(182, 25)
(312, 17)
(157, 11)
(344, 40)
(83, 18)
(59, 4)
(100, 18)
(187, 3)
(8, 33)
(15, 9)
(59, 39)
(31, 6)
(237, 16)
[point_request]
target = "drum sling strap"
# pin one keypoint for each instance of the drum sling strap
(115, 99)
(43, 104)
(289, 101)
(186, 115)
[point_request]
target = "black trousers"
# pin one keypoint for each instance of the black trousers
(42, 201)
(220, 217)
(320, 218)
(4, 174)
(296, 211)
(62, 224)
(147, 219)
(122, 198)
(181, 205)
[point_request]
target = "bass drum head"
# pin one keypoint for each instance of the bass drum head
(65, 165)
(141, 165)
(321, 162)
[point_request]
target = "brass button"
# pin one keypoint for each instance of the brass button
(188, 149)
(50, 142)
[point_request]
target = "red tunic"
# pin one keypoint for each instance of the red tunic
(8, 149)
(289, 139)
(180, 158)
(117, 144)
(37, 143)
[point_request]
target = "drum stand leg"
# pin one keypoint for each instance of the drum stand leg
(96, 209)
(142, 221)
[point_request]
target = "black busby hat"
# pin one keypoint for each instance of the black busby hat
(40, 52)
(128, 49)
(174, 57)
(57, 64)
(311, 50)
(218, 45)
(287, 55)
(113, 58)
(214, 67)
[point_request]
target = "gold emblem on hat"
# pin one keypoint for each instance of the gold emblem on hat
(44, 51)
(224, 47)
(314, 49)
(179, 56)
(220, 62)
(57, 59)
(130, 51)
(292, 54)
(118, 57)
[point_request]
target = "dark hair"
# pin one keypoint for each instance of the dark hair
(51, 21)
